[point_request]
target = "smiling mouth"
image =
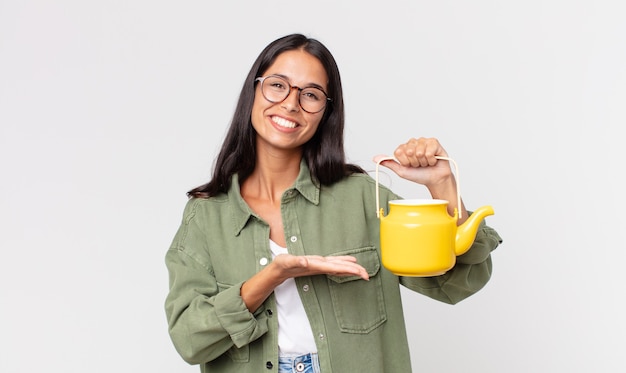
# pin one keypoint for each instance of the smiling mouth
(284, 122)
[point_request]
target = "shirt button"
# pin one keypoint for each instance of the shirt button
(294, 238)
(263, 261)
(321, 336)
(269, 312)
(269, 365)
(305, 287)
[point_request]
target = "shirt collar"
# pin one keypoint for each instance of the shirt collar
(241, 212)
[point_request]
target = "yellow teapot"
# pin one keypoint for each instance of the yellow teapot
(418, 238)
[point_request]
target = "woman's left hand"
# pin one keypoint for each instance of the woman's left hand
(416, 162)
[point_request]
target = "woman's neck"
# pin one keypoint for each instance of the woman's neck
(272, 175)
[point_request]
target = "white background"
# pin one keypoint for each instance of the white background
(111, 110)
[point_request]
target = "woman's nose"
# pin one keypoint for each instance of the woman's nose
(292, 101)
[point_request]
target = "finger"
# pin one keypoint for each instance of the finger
(416, 152)
(348, 258)
(432, 148)
(344, 270)
(392, 165)
(380, 158)
(421, 151)
(351, 268)
(405, 154)
(336, 265)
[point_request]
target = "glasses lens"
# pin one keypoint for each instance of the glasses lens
(275, 89)
(312, 99)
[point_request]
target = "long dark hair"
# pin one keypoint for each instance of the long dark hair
(324, 152)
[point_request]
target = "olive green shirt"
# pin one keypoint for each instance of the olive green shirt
(358, 325)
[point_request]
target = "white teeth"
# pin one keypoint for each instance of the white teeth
(284, 122)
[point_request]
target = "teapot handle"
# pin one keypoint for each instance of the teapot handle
(458, 184)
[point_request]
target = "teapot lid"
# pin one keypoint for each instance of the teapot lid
(419, 202)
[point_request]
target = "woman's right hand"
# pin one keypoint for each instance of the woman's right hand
(308, 265)
(284, 266)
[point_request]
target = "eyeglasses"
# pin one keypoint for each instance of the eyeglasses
(276, 89)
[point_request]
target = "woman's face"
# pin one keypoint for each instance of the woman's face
(284, 125)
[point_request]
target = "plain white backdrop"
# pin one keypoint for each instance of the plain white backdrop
(111, 110)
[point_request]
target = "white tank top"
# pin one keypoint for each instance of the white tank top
(295, 336)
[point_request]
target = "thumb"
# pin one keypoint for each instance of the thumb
(387, 161)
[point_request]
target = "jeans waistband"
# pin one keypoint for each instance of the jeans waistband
(307, 363)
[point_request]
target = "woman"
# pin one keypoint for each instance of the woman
(276, 265)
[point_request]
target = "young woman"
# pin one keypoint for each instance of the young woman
(276, 265)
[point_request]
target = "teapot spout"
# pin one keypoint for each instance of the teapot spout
(466, 232)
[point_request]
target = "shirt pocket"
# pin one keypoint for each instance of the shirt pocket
(359, 305)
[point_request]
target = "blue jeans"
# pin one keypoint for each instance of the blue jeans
(308, 363)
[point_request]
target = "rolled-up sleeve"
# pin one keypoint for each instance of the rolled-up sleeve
(204, 318)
